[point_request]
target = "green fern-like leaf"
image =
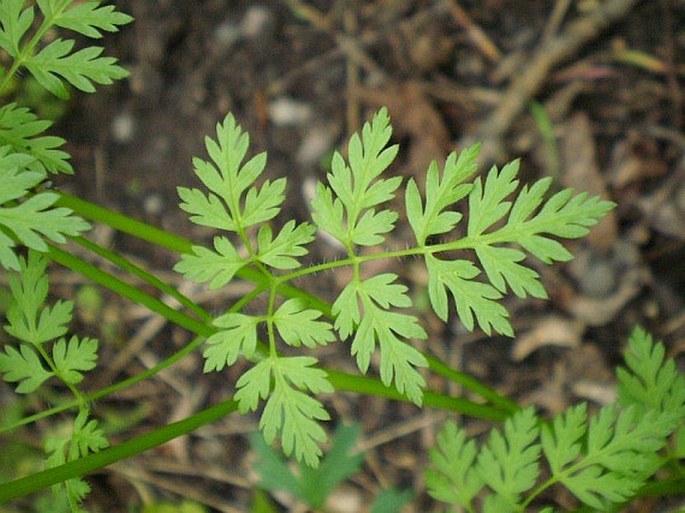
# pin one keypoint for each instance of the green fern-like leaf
(347, 210)
(289, 409)
(88, 18)
(233, 203)
(24, 366)
(21, 130)
(499, 219)
(389, 329)
(28, 319)
(649, 381)
(453, 478)
(73, 358)
(34, 219)
(509, 463)
(237, 335)
(603, 459)
(15, 21)
(372, 311)
(56, 63)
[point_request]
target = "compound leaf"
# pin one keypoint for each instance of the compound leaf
(217, 267)
(621, 452)
(74, 357)
(234, 202)
(23, 366)
(87, 437)
(453, 477)
(509, 463)
(238, 334)
(398, 359)
(650, 381)
(289, 409)
(28, 319)
(279, 252)
(441, 193)
(87, 18)
(299, 325)
(346, 209)
(472, 298)
(14, 22)
(80, 68)
(21, 130)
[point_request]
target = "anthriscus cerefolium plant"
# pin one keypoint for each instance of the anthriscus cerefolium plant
(372, 312)
(472, 262)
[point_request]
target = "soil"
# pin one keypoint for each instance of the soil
(301, 76)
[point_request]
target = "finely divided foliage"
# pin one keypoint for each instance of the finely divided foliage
(26, 155)
(28, 215)
(44, 353)
(373, 312)
(603, 460)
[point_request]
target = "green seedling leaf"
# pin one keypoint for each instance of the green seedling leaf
(23, 366)
(238, 335)
(475, 300)
(509, 463)
(441, 193)
(28, 319)
(75, 357)
(345, 210)
(279, 252)
(217, 267)
(80, 68)
(299, 325)
(14, 23)
(87, 18)
(21, 130)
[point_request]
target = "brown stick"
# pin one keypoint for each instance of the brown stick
(527, 83)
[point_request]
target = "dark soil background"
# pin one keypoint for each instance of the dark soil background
(301, 76)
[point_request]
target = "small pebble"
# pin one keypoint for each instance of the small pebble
(123, 127)
(257, 20)
(289, 112)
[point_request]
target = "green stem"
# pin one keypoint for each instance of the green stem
(128, 291)
(35, 482)
(471, 384)
(137, 271)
